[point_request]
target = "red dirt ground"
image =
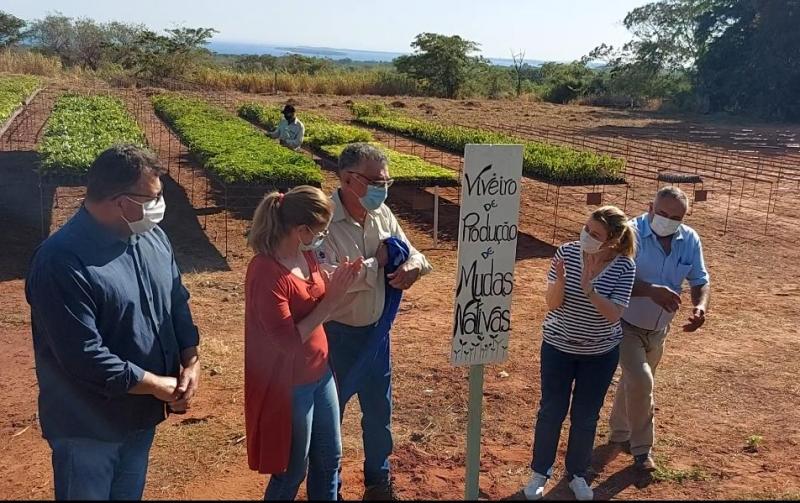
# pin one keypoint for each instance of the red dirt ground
(734, 379)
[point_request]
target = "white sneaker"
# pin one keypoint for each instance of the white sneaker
(581, 489)
(535, 488)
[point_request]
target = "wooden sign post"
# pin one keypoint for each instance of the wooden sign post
(487, 250)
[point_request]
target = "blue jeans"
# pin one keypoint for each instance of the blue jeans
(316, 444)
(374, 396)
(89, 469)
(591, 376)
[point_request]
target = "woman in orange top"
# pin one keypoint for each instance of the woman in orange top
(291, 406)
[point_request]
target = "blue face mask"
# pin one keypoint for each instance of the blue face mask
(374, 197)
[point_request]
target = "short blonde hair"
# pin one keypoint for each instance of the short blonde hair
(277, 214)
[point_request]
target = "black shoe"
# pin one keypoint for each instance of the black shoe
(380, 492)
(645, 462)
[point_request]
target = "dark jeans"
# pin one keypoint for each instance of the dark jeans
(374, 396)
(89, 469)
(316, 444)
(591, 376)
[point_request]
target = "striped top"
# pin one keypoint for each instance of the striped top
(577, 327)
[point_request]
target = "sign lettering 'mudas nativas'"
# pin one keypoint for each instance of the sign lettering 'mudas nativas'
(487, 250)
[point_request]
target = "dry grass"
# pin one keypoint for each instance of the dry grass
(342, 83)
(30, 63)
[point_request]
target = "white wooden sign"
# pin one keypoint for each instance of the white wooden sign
(487, 250)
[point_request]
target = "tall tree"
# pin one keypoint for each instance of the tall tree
(750, 57)
(11, 29)
(440, 63)
(159, 56)
(53, 35)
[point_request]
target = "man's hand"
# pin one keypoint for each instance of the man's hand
(696, 320)
(187, 387)
(166, 390)
(666, 298)
(382, 255)
(405, 276)
(162, 387)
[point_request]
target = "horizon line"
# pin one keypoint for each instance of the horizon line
(304, 46)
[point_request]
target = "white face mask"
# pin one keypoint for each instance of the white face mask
(664, 226)
(589, 244)
(152, 214)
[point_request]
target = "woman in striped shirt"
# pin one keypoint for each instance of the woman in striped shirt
(589, 286)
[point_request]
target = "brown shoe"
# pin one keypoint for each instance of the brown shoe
(380, 492)
(645, 462)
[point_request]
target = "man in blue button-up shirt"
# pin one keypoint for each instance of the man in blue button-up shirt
(113, 337)
(668, 253)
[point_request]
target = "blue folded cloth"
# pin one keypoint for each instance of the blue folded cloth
(377, 351)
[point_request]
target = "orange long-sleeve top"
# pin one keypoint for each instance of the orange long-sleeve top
(276, 358)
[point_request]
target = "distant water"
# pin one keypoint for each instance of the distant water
(324, 52)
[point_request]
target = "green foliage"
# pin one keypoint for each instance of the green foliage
(14, 89)
(541, 161)
(80, 128)
(495, 82)
(749, 58)
(407, 169)
(441, 63)
(754, 443)
(86, 43)
(231, 148)
(319, 129)
(679, 476)
(713, 55)
(11, 29)
(157, 56)
(562, 82)
(290, 63)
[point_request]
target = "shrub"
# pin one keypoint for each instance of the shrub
(14, 89)
(551, 163)
(80, 128)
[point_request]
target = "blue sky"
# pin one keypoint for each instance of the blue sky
(549, 30)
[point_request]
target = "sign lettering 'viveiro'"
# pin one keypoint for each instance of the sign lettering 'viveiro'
(487, 249)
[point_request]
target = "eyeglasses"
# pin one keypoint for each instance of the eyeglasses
(381, 184)
(321, 234)
(147, 197)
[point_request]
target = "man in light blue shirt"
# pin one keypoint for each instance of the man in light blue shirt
(290, 130)
(668, 253)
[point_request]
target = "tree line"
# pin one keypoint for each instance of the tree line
(732, 56)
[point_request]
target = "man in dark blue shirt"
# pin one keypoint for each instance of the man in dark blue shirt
(113, 337)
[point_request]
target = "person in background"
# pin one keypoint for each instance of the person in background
(290, 131)
(668, 253)
(589, 286)
(113, 337)
(363, 226)
(291, 406)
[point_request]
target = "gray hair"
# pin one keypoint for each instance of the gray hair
(674, 193)
(355, 153)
